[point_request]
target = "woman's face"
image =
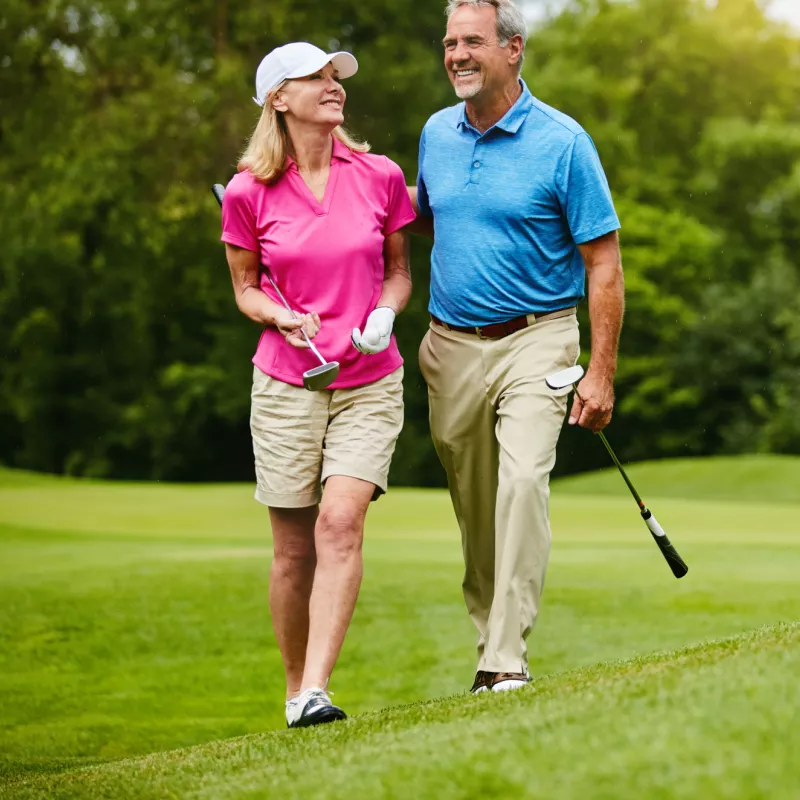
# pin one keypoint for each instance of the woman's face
(317, 98)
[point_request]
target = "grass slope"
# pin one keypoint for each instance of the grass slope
(133, 617)
(713, 721)
(760, 479)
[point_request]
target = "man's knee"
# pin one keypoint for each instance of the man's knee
(533, 484)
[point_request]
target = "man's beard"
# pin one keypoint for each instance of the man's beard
(469, 91)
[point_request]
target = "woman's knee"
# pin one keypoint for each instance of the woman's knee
(297, 550)
(293, 538)
(340, 531)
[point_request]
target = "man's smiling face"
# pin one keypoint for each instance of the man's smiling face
(474, 60)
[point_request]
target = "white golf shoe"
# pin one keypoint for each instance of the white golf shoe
(312, 707)
(508, 681)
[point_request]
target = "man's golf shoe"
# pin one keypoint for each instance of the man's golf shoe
(508, 681)
(483, 682)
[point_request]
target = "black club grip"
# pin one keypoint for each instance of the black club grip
(676, 563)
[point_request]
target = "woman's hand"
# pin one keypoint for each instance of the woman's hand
(291, 327)
(377, 332)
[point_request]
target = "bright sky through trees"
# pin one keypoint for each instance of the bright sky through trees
(785, 10)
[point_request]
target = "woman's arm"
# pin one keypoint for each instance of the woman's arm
(397, 271)
(394, 296)
(255, 305)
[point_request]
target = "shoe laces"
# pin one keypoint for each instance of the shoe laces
(305, 696)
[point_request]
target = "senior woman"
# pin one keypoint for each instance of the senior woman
(326, 219)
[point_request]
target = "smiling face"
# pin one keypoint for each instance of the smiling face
(316, 99)
(476, 64)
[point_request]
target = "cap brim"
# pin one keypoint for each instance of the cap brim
(344, 63)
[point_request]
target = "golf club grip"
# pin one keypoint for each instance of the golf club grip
(218, 190)
(676, 563)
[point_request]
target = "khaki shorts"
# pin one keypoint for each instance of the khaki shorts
(301, 438)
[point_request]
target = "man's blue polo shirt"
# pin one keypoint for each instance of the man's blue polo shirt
(509, 209)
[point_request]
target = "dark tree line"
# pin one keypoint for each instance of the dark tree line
(122, 352)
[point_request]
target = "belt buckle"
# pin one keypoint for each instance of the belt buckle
(479, 333)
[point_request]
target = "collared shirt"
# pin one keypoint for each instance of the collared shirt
(509, 208)
(325, 257)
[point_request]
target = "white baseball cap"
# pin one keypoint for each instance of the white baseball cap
(297, 60)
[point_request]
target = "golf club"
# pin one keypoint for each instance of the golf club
(570, 377)
(315, 379)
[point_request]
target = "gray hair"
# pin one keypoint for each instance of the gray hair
(510, 21)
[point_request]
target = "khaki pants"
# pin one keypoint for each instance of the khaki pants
(495, 426)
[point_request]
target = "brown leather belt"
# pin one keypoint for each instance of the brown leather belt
(501, 329)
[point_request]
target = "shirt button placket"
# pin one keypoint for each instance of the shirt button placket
(476, 164)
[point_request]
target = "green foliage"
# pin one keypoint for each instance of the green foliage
(123, 354)
(695, 111)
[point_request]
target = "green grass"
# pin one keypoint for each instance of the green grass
(716, 720)
(133, 621)
(761, 479)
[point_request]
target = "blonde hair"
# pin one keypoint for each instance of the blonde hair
(270, 144)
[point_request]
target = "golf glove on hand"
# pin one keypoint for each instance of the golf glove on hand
(377, 332)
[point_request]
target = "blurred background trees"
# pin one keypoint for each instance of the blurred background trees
(122, 352)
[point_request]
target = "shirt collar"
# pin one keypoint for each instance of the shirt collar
(340, 151)
(512, 120)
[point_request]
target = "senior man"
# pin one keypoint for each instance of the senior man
(520, 210)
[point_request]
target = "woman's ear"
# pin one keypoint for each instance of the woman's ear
(279, 101)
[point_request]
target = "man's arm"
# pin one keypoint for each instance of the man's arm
(606, 306)
(422, 225)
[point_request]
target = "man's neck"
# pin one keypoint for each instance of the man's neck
(482, 112)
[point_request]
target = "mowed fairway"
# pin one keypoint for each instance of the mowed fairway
(134, 620)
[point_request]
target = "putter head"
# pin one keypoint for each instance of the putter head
(566, 377)
(321, 377)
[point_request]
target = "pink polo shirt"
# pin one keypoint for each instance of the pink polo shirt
(325, 257)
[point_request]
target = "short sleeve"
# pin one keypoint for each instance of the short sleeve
(399, 211)
(423, 202)
(238, 219)
(583, 192)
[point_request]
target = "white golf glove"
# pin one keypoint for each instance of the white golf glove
(377, 332)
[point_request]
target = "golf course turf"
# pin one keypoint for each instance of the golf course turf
(134, 622)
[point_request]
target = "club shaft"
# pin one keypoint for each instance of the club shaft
(291, 311)
(621, 469)
(675, 562)
(616, 461)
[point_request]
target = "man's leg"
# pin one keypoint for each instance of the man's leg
(530, 417)
(290, 581)
(462, 423)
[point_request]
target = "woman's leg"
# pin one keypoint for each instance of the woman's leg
(290, 582)
(338, 536)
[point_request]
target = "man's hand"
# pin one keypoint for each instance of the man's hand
(291, 327)
(594, 410)
(377, 332)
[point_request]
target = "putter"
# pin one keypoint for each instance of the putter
(570, 377)
(318, 378)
